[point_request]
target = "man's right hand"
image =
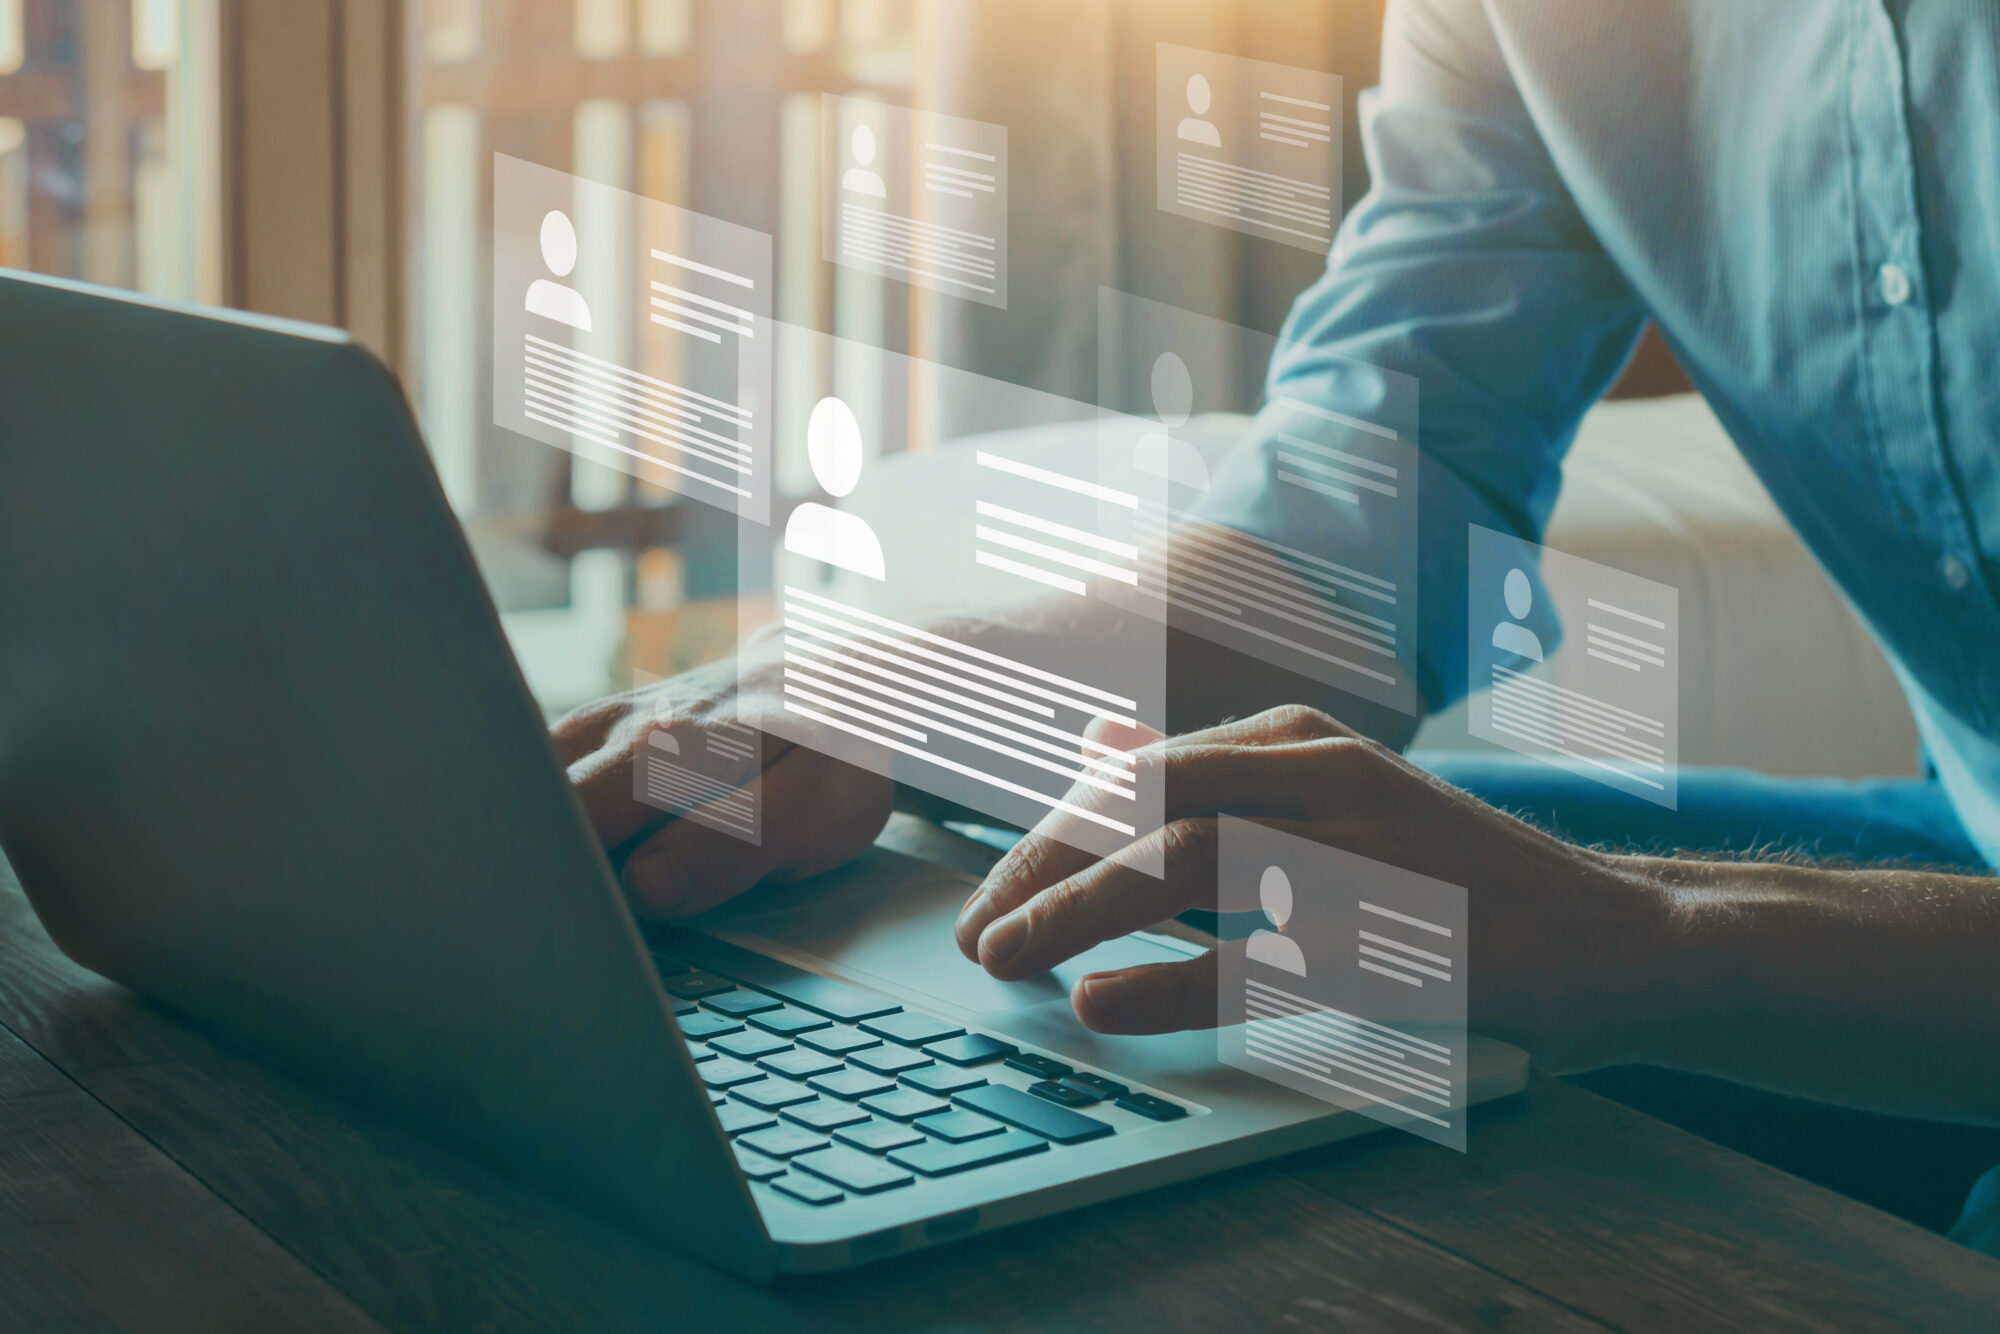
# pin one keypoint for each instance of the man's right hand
(818, 813)
(821, 813)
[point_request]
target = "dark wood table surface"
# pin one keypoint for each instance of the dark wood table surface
(152, 1179)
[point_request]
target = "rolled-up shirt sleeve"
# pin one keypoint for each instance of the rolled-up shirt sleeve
(1469, 268)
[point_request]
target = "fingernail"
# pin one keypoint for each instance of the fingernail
(1004, 939)
(1104, 995)
(968, 912)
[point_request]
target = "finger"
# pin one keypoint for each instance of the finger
(1042, 856)
(583, 730)
(1115, 897)
(832, 813)
(1035, 862)
(608, 780)
(1056, 849)
(1284, 781)
(1180, 764)
(1170, 762)
(696, 695)
(1153, 997)
(1104, 901)
(1283, 723)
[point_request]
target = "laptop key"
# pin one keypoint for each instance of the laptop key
(904, 1105)
(888, 1060)
(701, 1053)
(878, 1136)
(943, 1080)
(685, 1007)
(835, 1000)
(742, 1003)
(810, 1189)
(771, 1093)
(799, 1064)
(739, 1117)
(972, 1049)
(1041, 1067)
(726, 1072)
(856, 1171)
(853, 1084)
(702, 1024)
(1157, 1109)
(958, 1125)
(716, 1097)
(1064, 1095)
(1028, 1112)
(756, 1166)
(838, 1040)
(936, 1158)
(824, 1114)
(695, 985)
(748, 1046)
(1098, 1084)
(783, 1141)
(789, 1021)
(911, 1029)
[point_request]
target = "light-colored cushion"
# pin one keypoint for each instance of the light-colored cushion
(1777, 673)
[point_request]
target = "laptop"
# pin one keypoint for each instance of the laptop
(265, 757)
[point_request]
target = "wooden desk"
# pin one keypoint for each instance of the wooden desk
(152, 1180)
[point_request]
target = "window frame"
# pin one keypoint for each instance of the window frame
(312, 151)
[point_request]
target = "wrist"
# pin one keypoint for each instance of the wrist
(1612, 949)
(1679, 980)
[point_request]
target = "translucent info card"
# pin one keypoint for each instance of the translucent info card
(1606, 705)
(883, 581)
(633, 333)
(1353, 990)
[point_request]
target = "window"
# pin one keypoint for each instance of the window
(707, 104)
(330, 160)
(109, 158)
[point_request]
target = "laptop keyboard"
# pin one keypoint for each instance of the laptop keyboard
(829, 1092)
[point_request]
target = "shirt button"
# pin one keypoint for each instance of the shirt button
(1895, 284)
(1956, 576)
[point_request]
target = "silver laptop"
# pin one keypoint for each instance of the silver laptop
(265, 757)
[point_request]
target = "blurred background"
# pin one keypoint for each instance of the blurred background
(330, 160)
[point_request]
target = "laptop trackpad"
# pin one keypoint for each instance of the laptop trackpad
(888, 918)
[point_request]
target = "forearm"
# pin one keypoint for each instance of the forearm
(1878, 989)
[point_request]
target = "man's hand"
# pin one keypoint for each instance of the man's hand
(1565, 944)
(819, 813)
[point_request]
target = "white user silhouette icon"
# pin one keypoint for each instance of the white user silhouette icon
(1193, 128)
(821, 532)
(552, 300)
(860, 179)
(1511, 636)
(1161, 453)
(1274, 894)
